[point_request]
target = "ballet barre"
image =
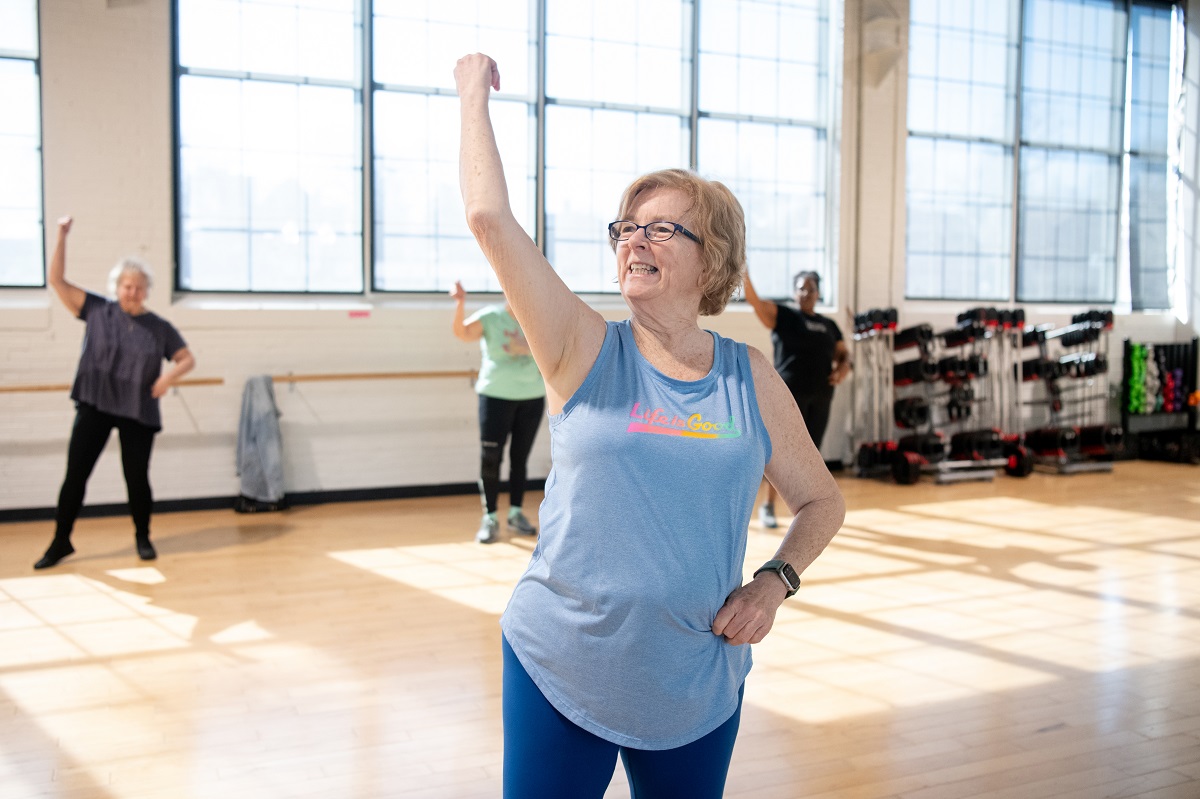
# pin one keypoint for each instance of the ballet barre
(58, 387)
(470, 374)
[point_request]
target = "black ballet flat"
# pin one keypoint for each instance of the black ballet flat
(56, 552)
(145, 549)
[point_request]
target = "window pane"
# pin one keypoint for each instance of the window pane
(1149, 259)
(1074, 74)
(1151, 33)
(630, 52)
(418, 43)
(421, 237)
(1068, 227)
(959, 188)
(764, 104)
(778, 174)
(959, 219)
(422, 242)
(271, 184)
(766, 58)
(591, 156)
(18, 28)
(1151, 84)
(270, 166)
(215, 260)
(963, 59)
(316, 39)
(21, 238)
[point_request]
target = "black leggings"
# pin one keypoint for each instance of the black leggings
(88, 437)
(498, 419)
(815, 410)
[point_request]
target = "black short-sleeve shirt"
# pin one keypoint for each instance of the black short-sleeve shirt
(804, 345)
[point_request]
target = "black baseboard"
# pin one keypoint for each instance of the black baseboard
(292, 500)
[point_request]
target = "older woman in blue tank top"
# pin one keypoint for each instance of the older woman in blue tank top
(629, 632)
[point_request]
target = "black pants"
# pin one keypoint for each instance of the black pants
(499, 419)
(88, 437)
(815, 409)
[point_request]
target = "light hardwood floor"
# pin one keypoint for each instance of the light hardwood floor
(1008, 640)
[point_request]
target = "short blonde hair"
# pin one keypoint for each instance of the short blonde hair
(717, 220)
(129, 264)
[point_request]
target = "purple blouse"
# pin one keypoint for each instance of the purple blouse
(122, 357)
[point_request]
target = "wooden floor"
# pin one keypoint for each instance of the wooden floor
(1007, 640)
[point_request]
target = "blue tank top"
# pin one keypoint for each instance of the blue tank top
(643, 538)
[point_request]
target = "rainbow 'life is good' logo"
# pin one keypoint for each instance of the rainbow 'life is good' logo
(662, 423)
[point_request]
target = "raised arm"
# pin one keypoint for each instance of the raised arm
(799, 475)
(471, 332)
(182, 362)
(72, 296)
(765, 310)
(564, 334)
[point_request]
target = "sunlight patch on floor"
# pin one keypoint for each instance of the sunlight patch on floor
(69, 617)
(481, 578)
(145, 575)
(967, 597)
(242, 633)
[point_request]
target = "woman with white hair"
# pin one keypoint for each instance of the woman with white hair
(118, 383)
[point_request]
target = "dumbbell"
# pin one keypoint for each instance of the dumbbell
(915, 371)
(1040, 369)
(979, 317)
(915, 336)
(960, 336)
(911, 412)
(1100, 439)
(1054, 441)
(977, 445)
(930, 446)
(1083, 364)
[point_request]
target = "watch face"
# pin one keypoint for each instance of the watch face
(790, 575)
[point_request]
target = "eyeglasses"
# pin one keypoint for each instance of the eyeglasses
(623, 230)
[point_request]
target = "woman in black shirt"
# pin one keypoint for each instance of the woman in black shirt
(810, 356)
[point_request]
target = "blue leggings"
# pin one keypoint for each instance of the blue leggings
(546, 756)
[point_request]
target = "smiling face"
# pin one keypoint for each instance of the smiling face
(660, 271)
(132, 291)
(807, 294)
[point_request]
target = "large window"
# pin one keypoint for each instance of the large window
(1038, 133)
(767, 95)
(618, 91)
(1151, 265)
(22, 258)
(274, 196)
(270, 146)
(421, 240)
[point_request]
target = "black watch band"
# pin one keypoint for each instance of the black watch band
(785, 572)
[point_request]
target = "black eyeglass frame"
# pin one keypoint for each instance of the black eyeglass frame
(678, 228)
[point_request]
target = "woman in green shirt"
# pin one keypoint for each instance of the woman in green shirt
(512, 400)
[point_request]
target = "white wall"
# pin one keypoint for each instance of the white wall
(106, 70)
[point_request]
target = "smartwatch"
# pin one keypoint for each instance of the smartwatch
(785, 572)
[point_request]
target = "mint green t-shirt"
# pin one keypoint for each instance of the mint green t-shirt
(507, 370)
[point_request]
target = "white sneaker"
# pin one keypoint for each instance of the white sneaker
(489, 530)
(766, 516)
(520, 525)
